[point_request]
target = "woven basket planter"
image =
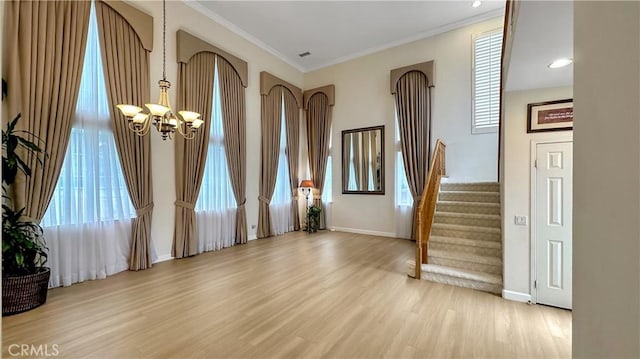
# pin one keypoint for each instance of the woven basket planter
(23, 293)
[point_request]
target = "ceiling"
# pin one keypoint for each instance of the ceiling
(336, 31)
(543, 33)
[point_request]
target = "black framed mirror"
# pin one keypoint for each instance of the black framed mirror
(363, 160)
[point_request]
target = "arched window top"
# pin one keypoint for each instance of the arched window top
(328, 91)
(140, 22)
(189, 46)
(425, 67)
(268, 82)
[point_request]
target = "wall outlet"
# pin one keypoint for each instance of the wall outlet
(520, 220)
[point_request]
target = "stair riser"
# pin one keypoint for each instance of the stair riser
(480, 222)
(465, 234)
(470, 197)
(479, 267)
(494, 252)
(468, 209)
(465, 283)
(470, 187)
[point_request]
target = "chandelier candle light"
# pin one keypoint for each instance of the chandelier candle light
(161, 114)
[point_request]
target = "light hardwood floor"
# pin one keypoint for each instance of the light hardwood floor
(330, 294)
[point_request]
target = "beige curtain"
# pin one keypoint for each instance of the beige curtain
(271, 115)
(292, 117)
(44, 45)
(235, 139)
(318, 136)
(126, 67)
(195, 93)
(412, 105)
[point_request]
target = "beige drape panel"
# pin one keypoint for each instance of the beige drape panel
(412, 106)
(271, 115)
(126, 67)
(43, 55)
(235, 139)
(195, 92)
(292, 125)
(318, 136)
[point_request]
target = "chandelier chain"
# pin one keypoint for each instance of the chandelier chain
(164, 41)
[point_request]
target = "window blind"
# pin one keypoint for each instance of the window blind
(487, 49)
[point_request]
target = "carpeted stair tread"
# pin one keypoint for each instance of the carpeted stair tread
(465, 242)
(470, 204)
(467, 257)
(470, 186)
(468, 219)
(458, 227)
(470, 196)
(462, 273)
(468, 207)
(459, 277)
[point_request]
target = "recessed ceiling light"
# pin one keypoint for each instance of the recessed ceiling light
(476, 3)
(556, 64)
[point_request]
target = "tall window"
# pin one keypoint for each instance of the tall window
(327, 189)
(280, 207)
(91, 186)
(88, 221)
(487, 50)
(216, 205)
(403, 197)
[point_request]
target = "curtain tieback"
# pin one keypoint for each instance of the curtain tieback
(144, 210)
(264, 199)
(184, 204)
(417, 198)
(241, 205)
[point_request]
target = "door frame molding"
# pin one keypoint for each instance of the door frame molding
(533, 220)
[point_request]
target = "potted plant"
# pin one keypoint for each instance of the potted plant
(25, 279)
(313, 218)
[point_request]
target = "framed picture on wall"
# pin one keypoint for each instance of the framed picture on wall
(550, 116)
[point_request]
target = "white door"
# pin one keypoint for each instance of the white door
(553, 217)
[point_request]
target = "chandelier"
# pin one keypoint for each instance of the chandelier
(160, 114)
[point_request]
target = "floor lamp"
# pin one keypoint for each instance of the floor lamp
(306, 186)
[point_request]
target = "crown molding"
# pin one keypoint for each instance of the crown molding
(195, 5)
(423, 35)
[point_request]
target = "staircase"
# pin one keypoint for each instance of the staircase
(465, 246)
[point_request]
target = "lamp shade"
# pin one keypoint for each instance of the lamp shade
(307, 184)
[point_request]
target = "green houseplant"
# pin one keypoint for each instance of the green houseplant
(313, 218)
(24, 277)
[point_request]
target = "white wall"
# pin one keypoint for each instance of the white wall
(606, 245)
(363, 99)
(516, 188)
(181, 16)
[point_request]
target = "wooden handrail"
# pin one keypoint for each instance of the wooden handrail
(427, 207)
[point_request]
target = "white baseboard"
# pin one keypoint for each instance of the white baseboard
(516, 296)
(364, 231)
(164, 257)
(252, 237)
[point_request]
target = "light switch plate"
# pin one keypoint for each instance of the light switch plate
(520, 220)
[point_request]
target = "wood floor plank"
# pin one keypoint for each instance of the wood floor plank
(325, 295)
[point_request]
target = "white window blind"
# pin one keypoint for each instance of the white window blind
(487, 49)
